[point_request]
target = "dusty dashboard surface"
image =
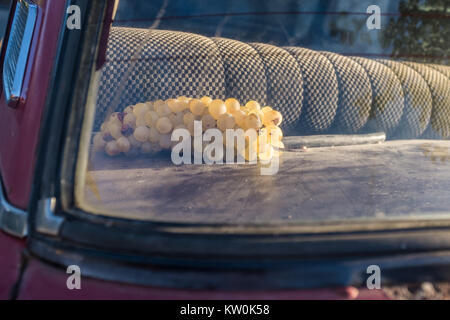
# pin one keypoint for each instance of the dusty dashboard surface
(394, 179)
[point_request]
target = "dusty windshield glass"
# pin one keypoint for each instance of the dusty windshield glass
(261, 111)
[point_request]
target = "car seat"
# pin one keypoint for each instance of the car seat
(316, 91)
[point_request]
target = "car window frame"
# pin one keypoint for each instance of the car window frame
(59, 229)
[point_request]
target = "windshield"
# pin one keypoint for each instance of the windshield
(247, 112)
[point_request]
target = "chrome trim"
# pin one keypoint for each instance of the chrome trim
(46, 220)
(13, 221)
(13, 80)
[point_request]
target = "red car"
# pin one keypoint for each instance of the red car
(119, 180)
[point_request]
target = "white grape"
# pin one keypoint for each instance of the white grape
(183, 103)
(272, 117)
(154, 135)
(206, 112)
(252, 121)
(130, 120)
(239, 117)
(111, 148)
(197, 107)
(157, 103)
(133, 142)
(188, 118)
(123, 145)
(113, 122)
(164, 125)
(140, 121)
(206, 100)
(140, 109)
(98, 142)
(142, 133)
(226, 121)
(253, 106)
(183, 99)
(208, 122)
(176, 118)
(266, 109)
(104, 127)
(162, 109)
(149, 106)
(128, 109)
(217, 108)
(232, 105)
(114, 116)
(151, 118)
(115, 131)
(173, 105)
(275, 133)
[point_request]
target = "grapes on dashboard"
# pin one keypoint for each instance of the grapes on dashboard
(146, 127)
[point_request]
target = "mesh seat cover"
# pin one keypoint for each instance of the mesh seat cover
(442, 69)
(418, 101)
(388, 101)
(285, 83)
(439, 87)
(355, 93)
(321, 92)
(315, 91)
(245, 75)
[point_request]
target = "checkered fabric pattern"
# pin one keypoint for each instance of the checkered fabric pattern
(170, 64)
(388, 101)
(442, 69)
(245, 75)
(355, 94)
(315, 91)
(284, 83)
(418, 101)
(321, 91)
(439, 87)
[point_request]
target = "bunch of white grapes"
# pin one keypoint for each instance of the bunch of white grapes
(146, 128)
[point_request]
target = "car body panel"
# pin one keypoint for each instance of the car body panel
(10, 257)
(39, 275)
(19, 127)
